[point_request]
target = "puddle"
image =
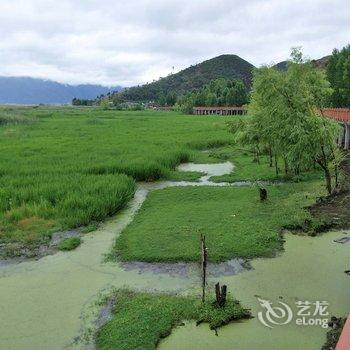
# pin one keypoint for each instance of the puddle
(216, 169)
(210, 170)
(42, 302)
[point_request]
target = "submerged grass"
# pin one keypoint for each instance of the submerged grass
(235, 222)
(141, 320)
(75, 166)
(69, 243)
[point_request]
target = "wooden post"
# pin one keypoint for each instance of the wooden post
(204, 257)
(217, 293)
(263, 194)
(221, 294)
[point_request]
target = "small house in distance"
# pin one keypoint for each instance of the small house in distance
(220, 110)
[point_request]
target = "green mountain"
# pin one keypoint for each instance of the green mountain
(194, 77)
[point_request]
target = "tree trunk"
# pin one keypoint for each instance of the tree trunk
(286, 169)
(328, 180)
(336, 174)
(271, 157)
(323, 163)
(276, 165)
(257, 155)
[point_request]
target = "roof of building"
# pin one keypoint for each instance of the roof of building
(338, 114)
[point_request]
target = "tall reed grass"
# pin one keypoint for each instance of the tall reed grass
(74, 166)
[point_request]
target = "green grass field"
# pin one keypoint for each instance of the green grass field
(235, 222)
(66, 167)
(140, 320)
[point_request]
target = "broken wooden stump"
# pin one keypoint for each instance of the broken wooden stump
(263, 194)
(221, 294)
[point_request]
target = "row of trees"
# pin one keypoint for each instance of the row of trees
(338, 74)
(286, 123)
(220, 92)
(82, 102)
(168, 99)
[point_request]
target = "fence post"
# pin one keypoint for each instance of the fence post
(204, 265)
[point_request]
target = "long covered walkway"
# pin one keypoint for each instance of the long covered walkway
(219, 110)
(342, 116)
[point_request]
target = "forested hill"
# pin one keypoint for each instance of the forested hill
(194, 77)
(319, 63)
(25, 90)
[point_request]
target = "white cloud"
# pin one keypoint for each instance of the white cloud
(117, 42)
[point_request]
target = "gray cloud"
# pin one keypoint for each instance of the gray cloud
(131, 42)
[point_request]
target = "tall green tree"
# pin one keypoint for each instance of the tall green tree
(170, 98)
(285, 112)
(338, 74)
(219, 92)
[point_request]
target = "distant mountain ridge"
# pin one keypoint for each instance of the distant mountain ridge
(26, 90)
(193, 77)
(320, 63)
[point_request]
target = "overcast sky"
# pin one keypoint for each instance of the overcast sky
(117, 42)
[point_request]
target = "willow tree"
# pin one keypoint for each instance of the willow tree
(285, 105)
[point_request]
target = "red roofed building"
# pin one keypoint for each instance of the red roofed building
(342, 116)
(338, 114)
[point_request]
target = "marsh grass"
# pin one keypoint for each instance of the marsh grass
(141, 320)
(75, 166)
(13, 116)
(235, 222)
(59, 202)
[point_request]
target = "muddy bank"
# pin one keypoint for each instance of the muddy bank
(185, 270)
(18, 252)
(334, 211)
